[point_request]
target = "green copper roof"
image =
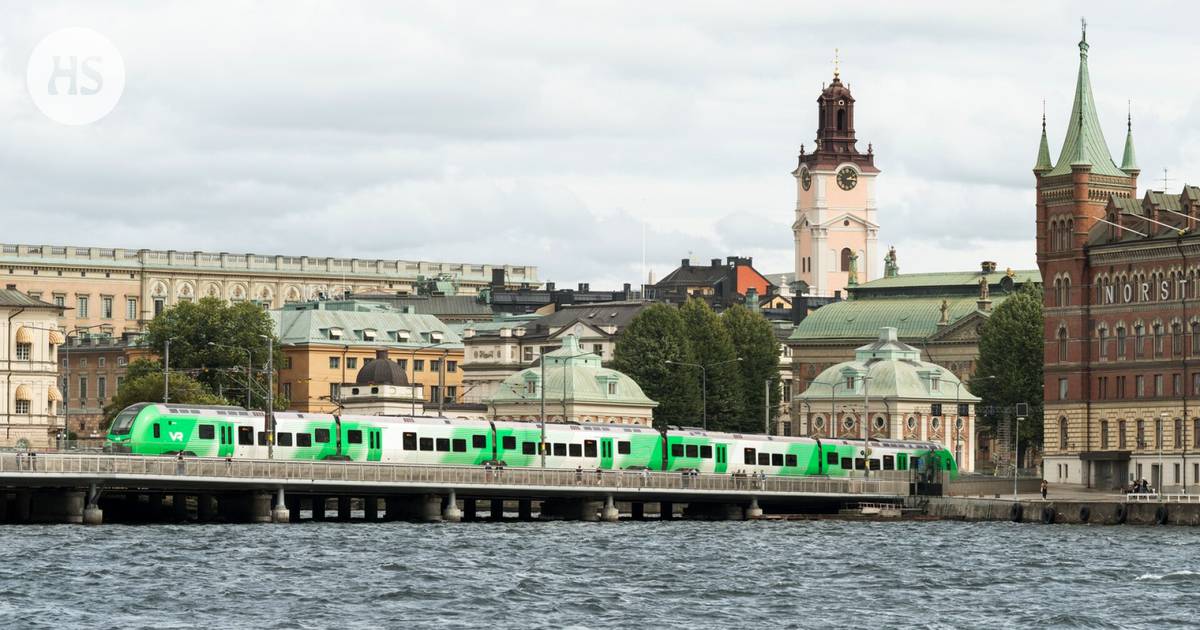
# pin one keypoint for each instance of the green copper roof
(1084, 144)
(574, 376)
(1129, 160)
(366, 324)
(943, 279)
(914, 318)
(1043, 158)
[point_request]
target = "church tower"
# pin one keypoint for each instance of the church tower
(835, 228)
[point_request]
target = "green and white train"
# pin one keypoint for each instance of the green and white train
(210, 431)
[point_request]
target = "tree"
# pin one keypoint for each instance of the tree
(238, 328)
(1011, 348)
(654, 337)
(713, 349)
(754, 341)
(144, 383)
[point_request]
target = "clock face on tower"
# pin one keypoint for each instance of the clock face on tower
(847, 178)
(805, 179)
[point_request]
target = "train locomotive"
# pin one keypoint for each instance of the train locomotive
(227, 431)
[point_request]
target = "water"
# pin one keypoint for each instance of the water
(592, 575)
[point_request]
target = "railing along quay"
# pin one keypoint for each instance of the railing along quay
(1154, 497)
(269, 472)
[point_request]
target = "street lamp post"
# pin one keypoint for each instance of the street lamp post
(1158, 437)
(704, 383)
(249, 365)
(166, 371)
(270, 417)
(412, 362)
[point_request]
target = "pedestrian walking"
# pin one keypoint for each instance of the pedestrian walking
(179, 463)
(599, 474)
(578, 475)
(1045, 488)
(645, 476)
(228, 465)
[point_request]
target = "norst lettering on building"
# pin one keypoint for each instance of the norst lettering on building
(1131, 292)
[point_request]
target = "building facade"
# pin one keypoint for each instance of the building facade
(721, 284)
(118, 290)
(835, 227)
(326, 344)
(29, 342)
(888, 392)
(571, 386)
(92, 368)
(1122, 332)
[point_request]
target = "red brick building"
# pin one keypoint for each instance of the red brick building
(1122, 323)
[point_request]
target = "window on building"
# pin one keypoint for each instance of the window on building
(1120, 387)
(1121, 443)
(24, 351)
(1178, 432)
(159, 305)
(1177, 338)
(531, 387)
(82, 392)
(1158, 385)
(1104, 434)
(106, 307)
(1139, 386)
(1177, 384)
(1103, 344)
(1141, 434)
(351, 363)
(60, 300)
(101, 388)
(81, 306)
(1158, 340)
(286, 389)
(1063, 389)
(335, 391)
(846, 256)
(527, 355)
(452, 366)
(435, 393)
(1102, 387)
(335, 362)
(131, 308)
(612, 388)
(1120, 342)
(1158, 432)
(1139, 341)
(22, 407)
(1196, 338)
(451, 393)
(1196, 435)
(1062, 344)
(418, 365)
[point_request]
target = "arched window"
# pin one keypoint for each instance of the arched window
(1057, 292)
(1121, 443)
(1062, 343)
(1062, 434)
(1104, 434)
(841, 120)
(846, 253)
(1066, 292)
(1141, 434)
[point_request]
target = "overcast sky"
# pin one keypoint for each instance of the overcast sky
(551, 133)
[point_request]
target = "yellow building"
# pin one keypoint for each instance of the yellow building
(29, 342)
(326, 343)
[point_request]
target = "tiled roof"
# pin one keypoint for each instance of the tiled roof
(944, 279)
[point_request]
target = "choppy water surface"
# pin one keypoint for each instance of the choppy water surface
(680, 574)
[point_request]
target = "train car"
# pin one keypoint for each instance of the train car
(200, 430)
(845, 457)
(721, 453)
(420, 440)
(588, 446)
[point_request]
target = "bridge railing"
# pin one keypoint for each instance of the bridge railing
(368, 473)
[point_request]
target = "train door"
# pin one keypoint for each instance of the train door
(606, 453)
(722, 459)
(245, 441)
(225, 444)
(374, 444)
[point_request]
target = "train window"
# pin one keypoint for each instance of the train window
(776, 459)
(764, 459)
(860, 463)
(354, 436)
(157, 430)
(207, 432)
(589, 448)
(575, 450)
(443, 444)
(560, 450)
(529, 448)
(262, 438)
(692, 450)
(706, 452)
(873, 464)
(409, 441)
(623, 448)
(831, 458)
(426, 444)
(321, 436)
(479, 441)
(459, 445)
(285, 439)
(790, 460)
(889, 462)
(246, 436)
(303, 439)
(676, 450)
(847, 463)
(750, 458)
(509, 442)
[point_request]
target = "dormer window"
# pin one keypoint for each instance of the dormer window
(612, 388)
(335, 333)
(369, 334)
(933, 383)
(436, 336)
(402, 335)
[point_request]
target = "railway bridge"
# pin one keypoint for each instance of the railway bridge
(83, 488)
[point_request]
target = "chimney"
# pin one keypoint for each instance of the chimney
(716, 262)
(685, 263)
(988, 266)
(550, 287)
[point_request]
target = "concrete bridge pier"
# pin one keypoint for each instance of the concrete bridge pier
(571, 509)
(525, 509)
(246, 507)
(60, 506)
(281, 513)
(753, 512)
(666, 510)
(452, 514)
(469, 514)
(154, 507)
(429, 508)
(318, 507)
(92, 514)
(343, 508)
(292, 502)
(393, 508)
(371, 509)
(179, 510)
(609, 514)
(638, 510)
(497, 510)
(205, 510)
(3, 507)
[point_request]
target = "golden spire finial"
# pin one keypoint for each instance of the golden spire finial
(836, 70)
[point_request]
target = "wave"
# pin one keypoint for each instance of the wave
(1173, 575)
